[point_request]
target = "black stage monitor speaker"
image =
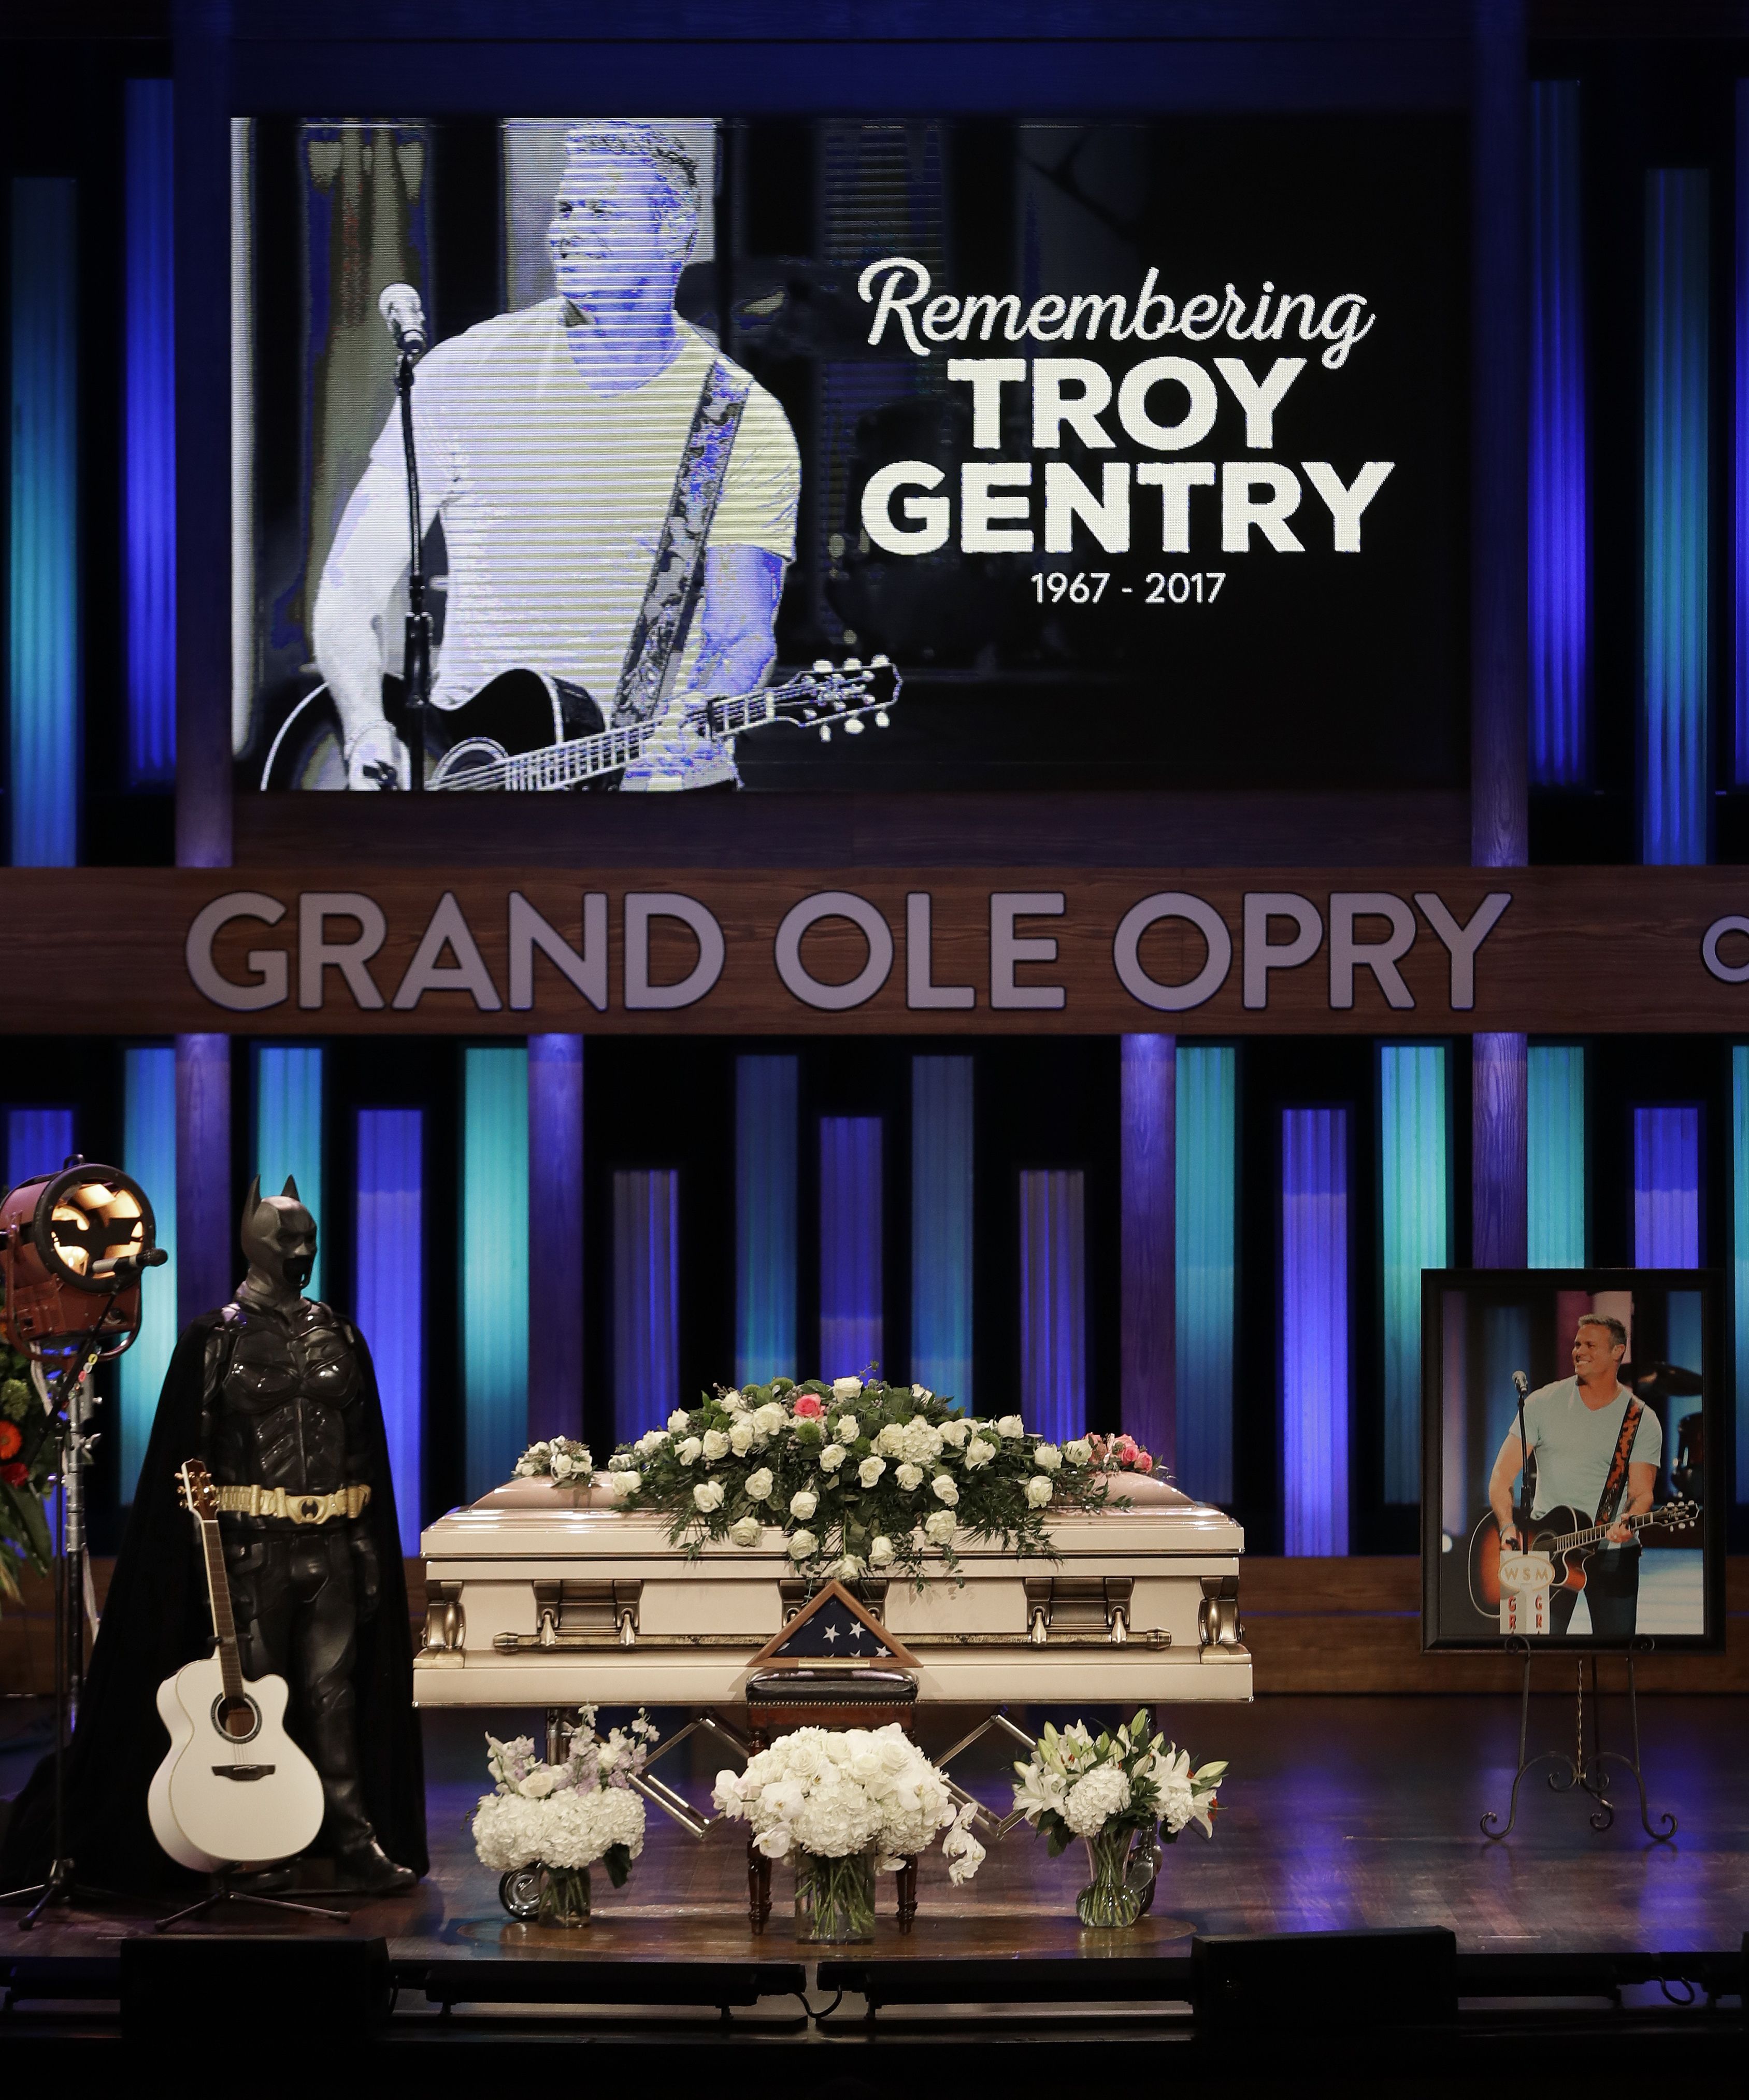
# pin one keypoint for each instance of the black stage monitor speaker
(1261, 1982)
(318, 1991)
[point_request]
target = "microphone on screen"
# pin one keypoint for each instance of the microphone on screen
(400, 307)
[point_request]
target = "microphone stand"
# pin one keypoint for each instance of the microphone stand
(71, 1585)
(415, 671)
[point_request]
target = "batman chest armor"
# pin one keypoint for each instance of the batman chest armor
(285, 1402)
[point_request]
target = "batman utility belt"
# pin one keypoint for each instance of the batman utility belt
(298, 1509)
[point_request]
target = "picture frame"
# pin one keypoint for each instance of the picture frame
(1480, 1327)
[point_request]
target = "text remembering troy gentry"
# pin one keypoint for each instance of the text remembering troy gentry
(1159, 409)
(1102, 957)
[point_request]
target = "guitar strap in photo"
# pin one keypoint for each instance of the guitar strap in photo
(659, 639)
(1618, 1473)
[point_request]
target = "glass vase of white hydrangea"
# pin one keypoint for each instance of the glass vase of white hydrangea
(846, 1803)
(1122, 1794)
(835, 1899)
(544, 1825)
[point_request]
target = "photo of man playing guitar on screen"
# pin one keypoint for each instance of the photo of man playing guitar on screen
(618, 501)
(1596, 1448)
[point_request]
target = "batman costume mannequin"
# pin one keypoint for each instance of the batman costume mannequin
(276, 1392)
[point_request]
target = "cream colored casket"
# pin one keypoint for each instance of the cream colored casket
(546, 1595)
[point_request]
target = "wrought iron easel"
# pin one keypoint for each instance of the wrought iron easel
(1584, 1769)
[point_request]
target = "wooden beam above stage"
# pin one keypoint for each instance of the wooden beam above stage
(351, 950)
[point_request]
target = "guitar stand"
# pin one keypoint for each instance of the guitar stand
(1584, 1769)
(221, 1892)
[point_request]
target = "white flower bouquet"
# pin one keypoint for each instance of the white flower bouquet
(846, 1804)
(1115, 1792)
(861, 1477)
(559, 1820)
(557, 1459)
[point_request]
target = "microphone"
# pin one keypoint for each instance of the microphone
(1521, 1382)
(127, 1265)
(400, 307)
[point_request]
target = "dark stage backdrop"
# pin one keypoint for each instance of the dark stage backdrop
(1139, 447)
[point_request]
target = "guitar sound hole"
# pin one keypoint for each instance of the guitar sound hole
(237, 1719)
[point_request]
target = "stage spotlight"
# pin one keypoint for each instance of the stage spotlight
(73, 1247)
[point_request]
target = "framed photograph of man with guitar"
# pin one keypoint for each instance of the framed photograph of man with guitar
(1573, 1427)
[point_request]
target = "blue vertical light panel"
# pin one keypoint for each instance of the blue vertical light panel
(1675, 781)
(1314, 1330)
(1560, 578)
(1555, 1112)
(388, 1299)
(1666, 1220)
(941, 1157)
(43, 623)
(646, 1299)
(37, 1141)
(1740, 1254)
(149, 435)
(1415, 1233)
(148, 1152)
(766, 1128)
(1147, 1242)
(851, 1271)
(1206, 1179)
(288, 1128)
(495, 1262)
(1054, 1302)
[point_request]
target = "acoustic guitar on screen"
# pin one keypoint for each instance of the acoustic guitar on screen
(1567, 1538)
(507, 736)
(234, 1789)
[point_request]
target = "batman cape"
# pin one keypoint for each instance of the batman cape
(157, 1619)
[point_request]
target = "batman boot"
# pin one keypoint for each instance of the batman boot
(368, 1870)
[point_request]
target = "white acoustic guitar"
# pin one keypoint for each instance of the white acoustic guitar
(234, 1789)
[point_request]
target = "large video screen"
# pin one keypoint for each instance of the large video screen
(1571, 1459)
(845, 454)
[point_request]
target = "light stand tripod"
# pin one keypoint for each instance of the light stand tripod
(68, 1399)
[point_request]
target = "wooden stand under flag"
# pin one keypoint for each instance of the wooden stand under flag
(834, 1664)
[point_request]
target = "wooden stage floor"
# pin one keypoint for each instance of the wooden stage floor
(1338, 1813)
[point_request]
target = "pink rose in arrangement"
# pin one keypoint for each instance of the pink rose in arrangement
(810, 1407)
(1123, 1451)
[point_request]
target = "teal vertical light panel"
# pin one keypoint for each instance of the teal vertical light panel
(288, 1129)
(43, 539)
(1206, 1180)
(1675, 741)
(1556, 1115)
(148, 1152)
(1740, 1254)
(941, 1160)
(495, 1264)
(1415, 1216)
(766, 1126)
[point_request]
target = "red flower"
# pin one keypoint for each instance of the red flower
(810, 1407)
(10, 1439)
(16, 1474)
(1144, 1463)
